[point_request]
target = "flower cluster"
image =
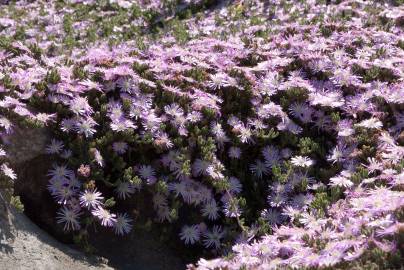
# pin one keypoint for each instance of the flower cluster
(277, 139)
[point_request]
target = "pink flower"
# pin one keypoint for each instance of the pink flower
(91, 198)
(107, 219)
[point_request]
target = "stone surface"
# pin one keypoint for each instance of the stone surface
(25, 246)
(25, 144)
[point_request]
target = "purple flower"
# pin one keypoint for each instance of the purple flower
(55, 147)
(271, 155)
(342, 180)
(91, 198)
(124, 190)
(148, 173)
(302, 112)
(219, 80)
(212, 238)
(120, 147)
(272, 216)
(210, 210)
(69, 217)
(107, 218)
(85, 126)
(123, 224)
(79, 105)
(301, 161)
(6, 124)
(259, 169)
(122, 124)
(7, 171)
(190, 234)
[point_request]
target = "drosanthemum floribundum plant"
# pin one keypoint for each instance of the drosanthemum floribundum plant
(279, 137)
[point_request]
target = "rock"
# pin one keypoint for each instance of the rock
(25, 246)
(24, 144)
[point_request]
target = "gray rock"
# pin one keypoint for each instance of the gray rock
(25, 144)
(25, 246)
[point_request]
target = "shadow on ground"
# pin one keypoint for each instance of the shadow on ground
(137, 251)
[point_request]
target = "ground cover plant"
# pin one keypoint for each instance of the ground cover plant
(265, 134)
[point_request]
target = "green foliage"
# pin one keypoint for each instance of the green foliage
(267, 135)
(321, 202)
(162, 187)
(308, 146)
(136, 181)
(79, 73)
(110, 202)
(16, 202)
(53, 76)
(36, 51)
(179, 31)
(207, 147)
(221, 185)
(326, 30)
(360, 174)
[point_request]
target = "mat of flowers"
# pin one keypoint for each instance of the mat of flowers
(269, 133)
